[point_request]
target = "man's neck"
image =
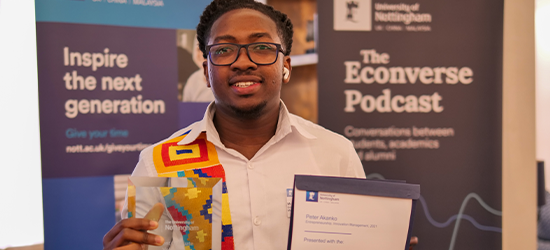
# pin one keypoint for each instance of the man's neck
(246, 135)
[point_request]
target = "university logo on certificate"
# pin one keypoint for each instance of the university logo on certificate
(347, 213)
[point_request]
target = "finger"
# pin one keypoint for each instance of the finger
(131, 246)
(152, 239)
(109, 236)
(128, 236)
(119, 240)
(414, 241)
(134, 223)
(143, 237)
(138, 224)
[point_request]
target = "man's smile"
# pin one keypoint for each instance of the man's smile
(245, 80)
(245, 88)
(244, 84)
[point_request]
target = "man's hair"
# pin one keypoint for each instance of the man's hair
(219, 7)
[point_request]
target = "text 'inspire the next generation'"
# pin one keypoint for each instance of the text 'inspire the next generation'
(75, 82)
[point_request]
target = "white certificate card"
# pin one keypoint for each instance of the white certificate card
(337, 220)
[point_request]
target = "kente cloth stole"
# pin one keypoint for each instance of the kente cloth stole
(196, 159)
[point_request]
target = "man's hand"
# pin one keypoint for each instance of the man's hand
(413, 242)
(130, 234)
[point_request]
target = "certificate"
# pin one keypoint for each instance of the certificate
(348, 213)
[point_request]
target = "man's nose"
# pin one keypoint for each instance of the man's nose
(243, 62)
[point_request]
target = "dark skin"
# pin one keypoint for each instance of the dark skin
(246, 143)
(246, 117)
(130, 234)
(238, 129)
(413, 242)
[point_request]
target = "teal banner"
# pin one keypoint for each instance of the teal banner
(168, 14)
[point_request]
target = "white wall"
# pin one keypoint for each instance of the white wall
(20, 176)
(519, 127)
(542, 34)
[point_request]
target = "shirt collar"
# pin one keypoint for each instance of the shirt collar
(288, 122)
(284, 126)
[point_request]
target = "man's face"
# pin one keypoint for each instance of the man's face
(244, 87)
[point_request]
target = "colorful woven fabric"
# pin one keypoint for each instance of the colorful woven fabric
(192, 204)
(169, 157)
(131, 199)
(196, 159)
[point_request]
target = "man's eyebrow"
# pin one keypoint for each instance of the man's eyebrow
(225, 37)
(259, 34)
(231, 38)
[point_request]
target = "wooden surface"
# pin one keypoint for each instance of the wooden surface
(300, 94)
(299, 12)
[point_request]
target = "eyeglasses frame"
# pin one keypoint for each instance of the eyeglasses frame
(239, 47)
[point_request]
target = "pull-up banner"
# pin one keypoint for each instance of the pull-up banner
(417, 87)
(111, 74)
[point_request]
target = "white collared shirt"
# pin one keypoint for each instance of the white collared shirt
(257, 187)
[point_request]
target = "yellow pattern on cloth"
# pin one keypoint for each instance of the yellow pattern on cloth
(196, 159)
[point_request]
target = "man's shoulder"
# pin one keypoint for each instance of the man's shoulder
(332, 151)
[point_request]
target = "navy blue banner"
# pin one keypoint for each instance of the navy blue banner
(106, 93)
(417, 87)
(78, 212)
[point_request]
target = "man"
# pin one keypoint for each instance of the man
(260, 146)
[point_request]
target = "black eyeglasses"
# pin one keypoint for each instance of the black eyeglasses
(223, 54)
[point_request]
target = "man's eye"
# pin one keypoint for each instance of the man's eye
(262, 47)
(223, 50)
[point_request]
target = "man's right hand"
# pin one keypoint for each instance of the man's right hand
(131, 234)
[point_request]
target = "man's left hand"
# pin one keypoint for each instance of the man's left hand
(413, 242)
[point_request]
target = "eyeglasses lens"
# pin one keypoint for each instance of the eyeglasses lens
(260, 53)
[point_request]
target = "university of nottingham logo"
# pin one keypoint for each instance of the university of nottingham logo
(312, 196)
(352, 15)
(352, 5)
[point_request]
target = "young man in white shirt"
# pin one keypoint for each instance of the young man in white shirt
(258, 143)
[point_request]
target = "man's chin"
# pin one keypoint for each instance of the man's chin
(250, 112)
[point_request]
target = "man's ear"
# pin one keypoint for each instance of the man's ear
(205, 71)
(288, 66)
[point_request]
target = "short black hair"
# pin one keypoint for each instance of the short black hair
(219, 7)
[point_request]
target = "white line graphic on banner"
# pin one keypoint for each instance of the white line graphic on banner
(456, 217)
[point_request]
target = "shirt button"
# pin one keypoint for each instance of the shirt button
(249, 165)
(257, 221)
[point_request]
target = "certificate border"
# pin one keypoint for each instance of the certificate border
(383, 188)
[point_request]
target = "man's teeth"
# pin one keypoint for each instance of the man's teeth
(243, 84)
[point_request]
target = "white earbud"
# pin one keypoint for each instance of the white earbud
(286, 73)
